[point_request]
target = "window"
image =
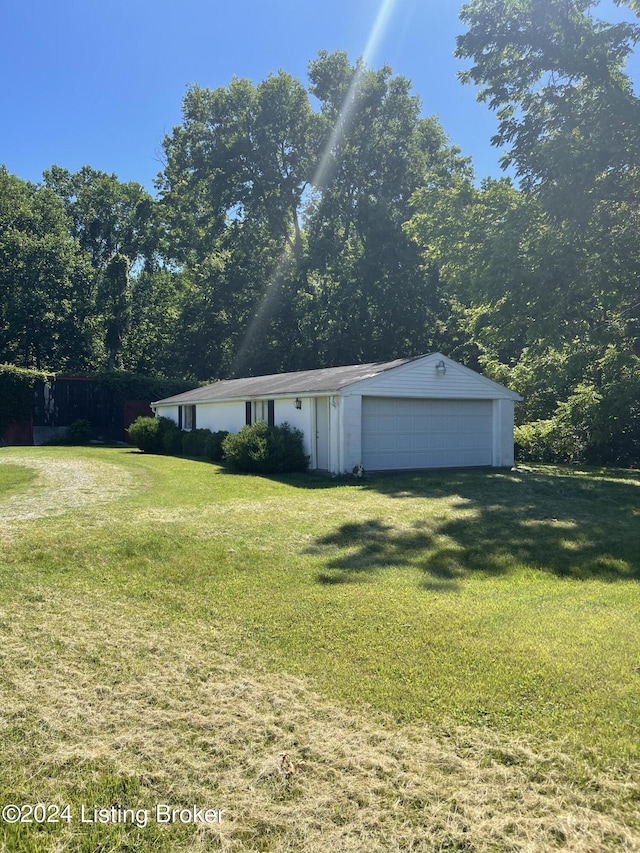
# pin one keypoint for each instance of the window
(260, 410)
(188, 418)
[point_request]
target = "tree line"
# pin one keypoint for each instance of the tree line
(300, 225)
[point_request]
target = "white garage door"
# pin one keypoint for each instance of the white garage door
(399, 433)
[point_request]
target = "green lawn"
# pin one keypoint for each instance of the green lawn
(13, 478)
(500, 610)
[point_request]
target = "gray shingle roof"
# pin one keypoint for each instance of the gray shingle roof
(326, 380)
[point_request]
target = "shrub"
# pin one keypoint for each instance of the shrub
(79, 432)
(534, 442)
(148, 434)
(213, 445)
(194, 442)
(570, 435)
(262, 449)
(171, 436)
(145, 434)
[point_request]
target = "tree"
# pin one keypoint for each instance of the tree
(554, 74)
(117, 226)
(567, 111)
(373, 297)
(232, 192)
(243, 153)
(46, 284)
(108, 217)
(287, 223)
(115, 298)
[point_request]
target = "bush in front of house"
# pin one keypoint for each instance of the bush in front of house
(213, 446)
(148, 434)
(144, 433)
(171, 436)
(194, 442)
(262, 449)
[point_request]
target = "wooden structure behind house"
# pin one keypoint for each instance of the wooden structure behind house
(408, 414)
(65, 399)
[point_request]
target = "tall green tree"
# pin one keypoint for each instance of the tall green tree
(108, 216)
(232, 192)
(374, 297)
(115, 298)
(117, 226)
(243, 152)
(287, 222)
(554, 72)
(46, 282)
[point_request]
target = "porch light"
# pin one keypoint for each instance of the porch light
(441, 368)
(298, 403)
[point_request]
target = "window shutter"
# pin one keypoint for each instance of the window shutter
(247, 413)
(193, 417)
(179, 417)
(271, 413)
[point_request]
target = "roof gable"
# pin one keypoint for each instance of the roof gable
(419, 377)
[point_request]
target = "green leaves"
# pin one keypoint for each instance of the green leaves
(44, 280)
(554, 73)
(16, 393)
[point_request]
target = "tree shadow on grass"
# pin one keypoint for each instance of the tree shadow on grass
(576, 525)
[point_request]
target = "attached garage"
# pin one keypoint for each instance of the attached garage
(399, 433)
(411, 413)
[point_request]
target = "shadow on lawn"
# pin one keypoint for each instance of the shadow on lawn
(570, 524)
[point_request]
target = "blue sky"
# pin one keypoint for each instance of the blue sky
(96, 83)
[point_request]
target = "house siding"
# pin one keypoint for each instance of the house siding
(231, 416)
(351, 430)
(168, 412)
(503, 450)
(420, 379)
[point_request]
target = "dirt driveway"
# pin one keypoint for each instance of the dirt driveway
(61, 484)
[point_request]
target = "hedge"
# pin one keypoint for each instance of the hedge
(16, 393)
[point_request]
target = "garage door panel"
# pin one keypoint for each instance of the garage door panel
(399, 433)
(387, 443)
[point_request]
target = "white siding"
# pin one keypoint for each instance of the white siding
(230, 415)
(410, 434)
(351, 430)
(227, 416)
(503, 411)
(167, 412)
(336, 441)
(421, 379)
(285, 412)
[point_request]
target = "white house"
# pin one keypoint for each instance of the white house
(411, 413)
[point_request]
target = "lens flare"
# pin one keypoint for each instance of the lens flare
(272, 292)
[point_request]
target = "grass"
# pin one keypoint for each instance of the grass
(451, 660)
(14, 477)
